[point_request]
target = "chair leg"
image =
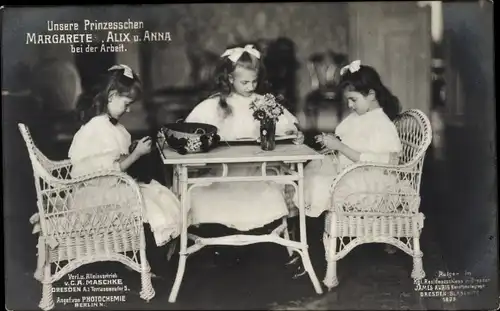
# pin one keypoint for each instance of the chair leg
(47, 301)
(40, 264)
(418, 272)
(38, 275)
(147, 291)
(178, 278)
(331, 279)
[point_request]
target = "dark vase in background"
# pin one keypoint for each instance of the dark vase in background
(268, 134)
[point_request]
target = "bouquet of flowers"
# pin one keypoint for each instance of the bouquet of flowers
(267, 107)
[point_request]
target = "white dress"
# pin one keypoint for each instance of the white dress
(98, 145)
(372, 134)
(239, 205)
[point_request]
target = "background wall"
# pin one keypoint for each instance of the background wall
(194, 29)
(313, 27)
(470, 215)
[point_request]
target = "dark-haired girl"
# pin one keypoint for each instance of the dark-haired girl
(367, 134)
(102, 143)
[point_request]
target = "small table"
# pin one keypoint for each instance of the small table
(287, 161)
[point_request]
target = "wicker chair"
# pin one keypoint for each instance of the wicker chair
(381, 214)
(81, 224)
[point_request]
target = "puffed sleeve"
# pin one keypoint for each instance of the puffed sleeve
(286, 123)
(93, 149)
(205, 112)
(384, 146)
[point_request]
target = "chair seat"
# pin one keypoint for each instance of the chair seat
(89, 223)
(74, 246)
(397, 226)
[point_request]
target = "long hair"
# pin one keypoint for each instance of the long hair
(225, 67)
(366, 79)
(96, 101)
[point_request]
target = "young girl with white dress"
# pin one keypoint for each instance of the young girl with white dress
(102, 143)
(367, 134)
(239, 205)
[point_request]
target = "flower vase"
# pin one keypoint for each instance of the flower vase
(267, 134)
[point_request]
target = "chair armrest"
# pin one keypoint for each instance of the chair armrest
(363, 166)
(376, 188)
(61, 169)
(62, 163)
(107, 188)
(95, 175)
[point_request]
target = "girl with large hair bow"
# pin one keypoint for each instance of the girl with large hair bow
(240, 79)
(367, 134)
(102, 143)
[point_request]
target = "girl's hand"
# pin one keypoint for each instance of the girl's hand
(300, 139)
(329, 141)
(143, 146)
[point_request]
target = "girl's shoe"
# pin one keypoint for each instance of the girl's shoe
(300, 272)
(294, 259)
(295, 264)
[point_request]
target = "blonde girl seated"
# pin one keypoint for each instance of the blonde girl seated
(240, 205)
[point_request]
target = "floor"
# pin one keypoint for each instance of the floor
(256, 278)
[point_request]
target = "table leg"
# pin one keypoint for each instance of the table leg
(286, 233)
(183, 178)
(303, 234)
(175, 189)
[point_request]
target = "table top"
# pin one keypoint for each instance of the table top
(244, 153)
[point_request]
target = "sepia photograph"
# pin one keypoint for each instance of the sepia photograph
(250, 156)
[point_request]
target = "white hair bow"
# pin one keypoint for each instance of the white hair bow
(235, 53)
(127, 71)
(352, 67)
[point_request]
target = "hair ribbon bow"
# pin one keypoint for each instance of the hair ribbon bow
(352, 67)
(127, 71)
(235, 53)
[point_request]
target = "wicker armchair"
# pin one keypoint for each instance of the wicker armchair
(81, 224)
(380, 212)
